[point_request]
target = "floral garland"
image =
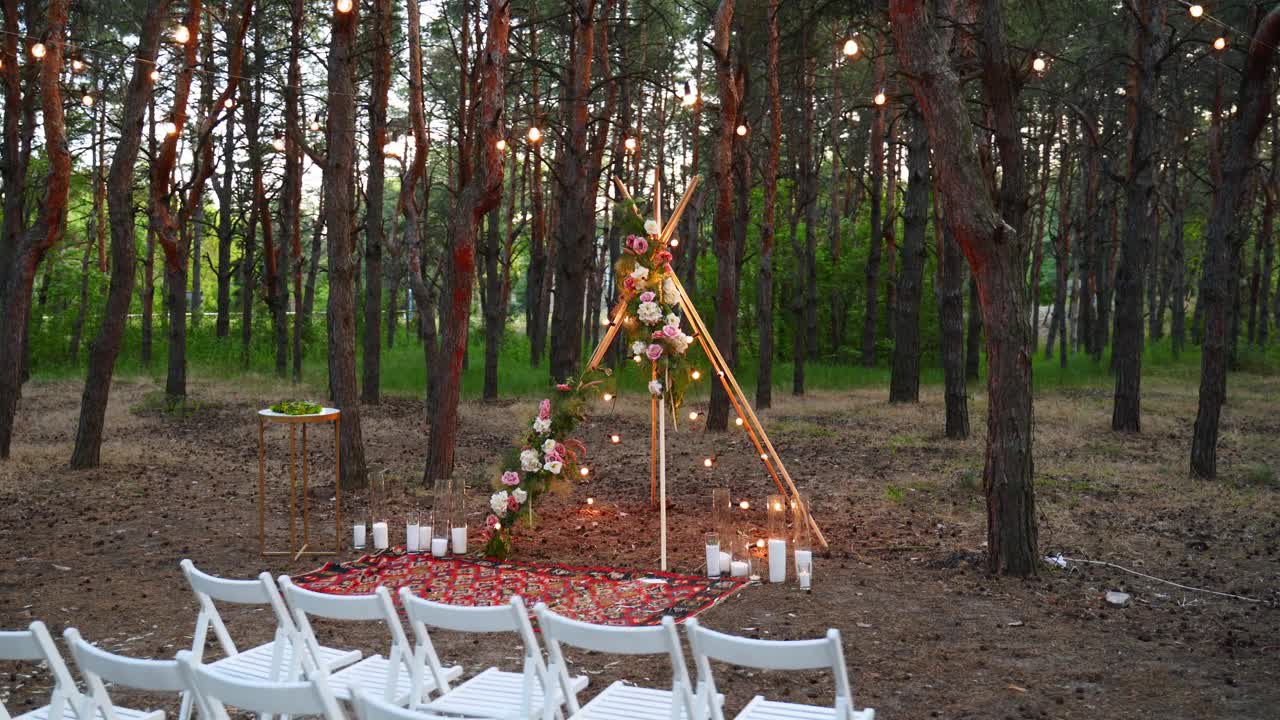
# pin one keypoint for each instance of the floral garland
(652, 299)
(545, 459)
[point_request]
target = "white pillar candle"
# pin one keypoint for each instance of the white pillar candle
(726, 562)
(411, 537)
(358, 531)
(460, 540)
(713, 560)
(380, 536)
(803, 576)
(739, 568)
(804, 560)
(424, 538)
(439, 546)
(777, 561)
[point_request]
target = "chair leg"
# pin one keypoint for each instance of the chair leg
(184, 713)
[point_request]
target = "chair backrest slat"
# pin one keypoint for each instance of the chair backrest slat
(602, 638)
(370, 707)
(240, 592)
(309, 697)
(333, 607)
(19, 645)
(149, 675)
(35, 644)
(495, 618)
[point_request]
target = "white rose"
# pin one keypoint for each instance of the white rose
(651, 227)
(498, 502)
(541, 425)
(680, 343)
(640, 273)
(529, 461)
(649, 313)
(553, 467)
(519, 495)
(669, 289)
(637, 348)
(655, 387)
(672, 320)
(549, 445)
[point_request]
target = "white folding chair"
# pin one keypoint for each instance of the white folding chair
(493, 692)
(387, 676)
(271, 661)
(217, 690)
(621, 700)
(35, 645)
(99, 667)
(369, 707)
(708, 645)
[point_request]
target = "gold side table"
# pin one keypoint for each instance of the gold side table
(326, 415)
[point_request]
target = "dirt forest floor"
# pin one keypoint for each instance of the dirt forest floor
(927, 632)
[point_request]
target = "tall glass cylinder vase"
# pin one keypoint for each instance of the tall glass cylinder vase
(378, 509)
(802, 540)
(441, 518)
(776, 514)
(722, 524)
(458, 516)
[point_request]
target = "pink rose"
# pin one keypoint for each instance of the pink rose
(560, 450)
(513, 504)
(629, 283)
(671, 331)
(657, 335)
(564, 387)
(637, 245)
(491, 522)
(654, 351)
(664, 256)
(647, 296)
(553, 456)
(544, 409)
(510, 477)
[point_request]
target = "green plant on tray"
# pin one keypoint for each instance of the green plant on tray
(296, 407)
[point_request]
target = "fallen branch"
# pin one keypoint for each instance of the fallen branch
(1152, 577)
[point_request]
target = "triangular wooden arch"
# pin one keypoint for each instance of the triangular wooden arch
(755, 430)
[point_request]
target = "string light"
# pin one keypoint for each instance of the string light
(497, 526)
(1220, 43)
(591, 501)
(228, 103)
(155, 75)
(316, 126)
(696, 374)
(615, 438)
(636, 358)
(182, 35)
(1196, 11)
(744, 505)
(87, 100)
(605, 322)
(674, 243)
(501, 145)
(38, 51)
(850, 47)
(708, 462)
(693, 415)
(880, 98)
(584, 471)
(535, 135)
(629, 144)
(763, 456)
(760, 543)
(343, 6)
(167, 129)
(1038, 65)
(278, 144)
(742, 131)
(77, 65)
(738, 422)
(608, 397)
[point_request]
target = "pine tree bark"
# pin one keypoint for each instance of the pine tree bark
(764, 302)
(339, 191)
(226, 198)
(1149, 47)
(481, 191)
(106, 347)
(380, 85)
(904, 381)
(871, 310)
(951, 318)
(1255, 97)
(996, 255)
(29, 248)
(291, 200)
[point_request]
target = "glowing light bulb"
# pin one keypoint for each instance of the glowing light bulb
(693, 415)
(696, 374)
(674, 243)
(744, 505)
(591, 501)
(181, 35)
(77, 65)
(343, 6)
(155, 75)
(1220, 43)
(738, 422)
(850, 47)
(167, 129)
(615, 438)
(608, 397)
(316, 126)
(87, 100)
(742, 131)
(763, 456)
(629, 144)
(501, 145)
(1038, 65)
(636, 358)
(228, 103)
(278, 144)
(535, 135)
(760, 543)
(497, 526)
(605, 322)
(708, 462)
(584, 471)
(1196, 11)
(880, 98)
(38, 50)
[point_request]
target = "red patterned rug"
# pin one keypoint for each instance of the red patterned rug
(605, 596)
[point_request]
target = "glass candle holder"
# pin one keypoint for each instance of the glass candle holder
(712, 543)
(359, 529)
(776, 513)
(802, 540)
(722, 514)
(412, 532)
(378, 509)
(458, 516)
(440, 534)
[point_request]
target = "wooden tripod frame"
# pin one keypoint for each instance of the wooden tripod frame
(755, 430)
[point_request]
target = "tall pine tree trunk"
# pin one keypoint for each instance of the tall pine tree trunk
(725, 246)
(904, 383)
(380, 85)
(871, 310)
(764, 304)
